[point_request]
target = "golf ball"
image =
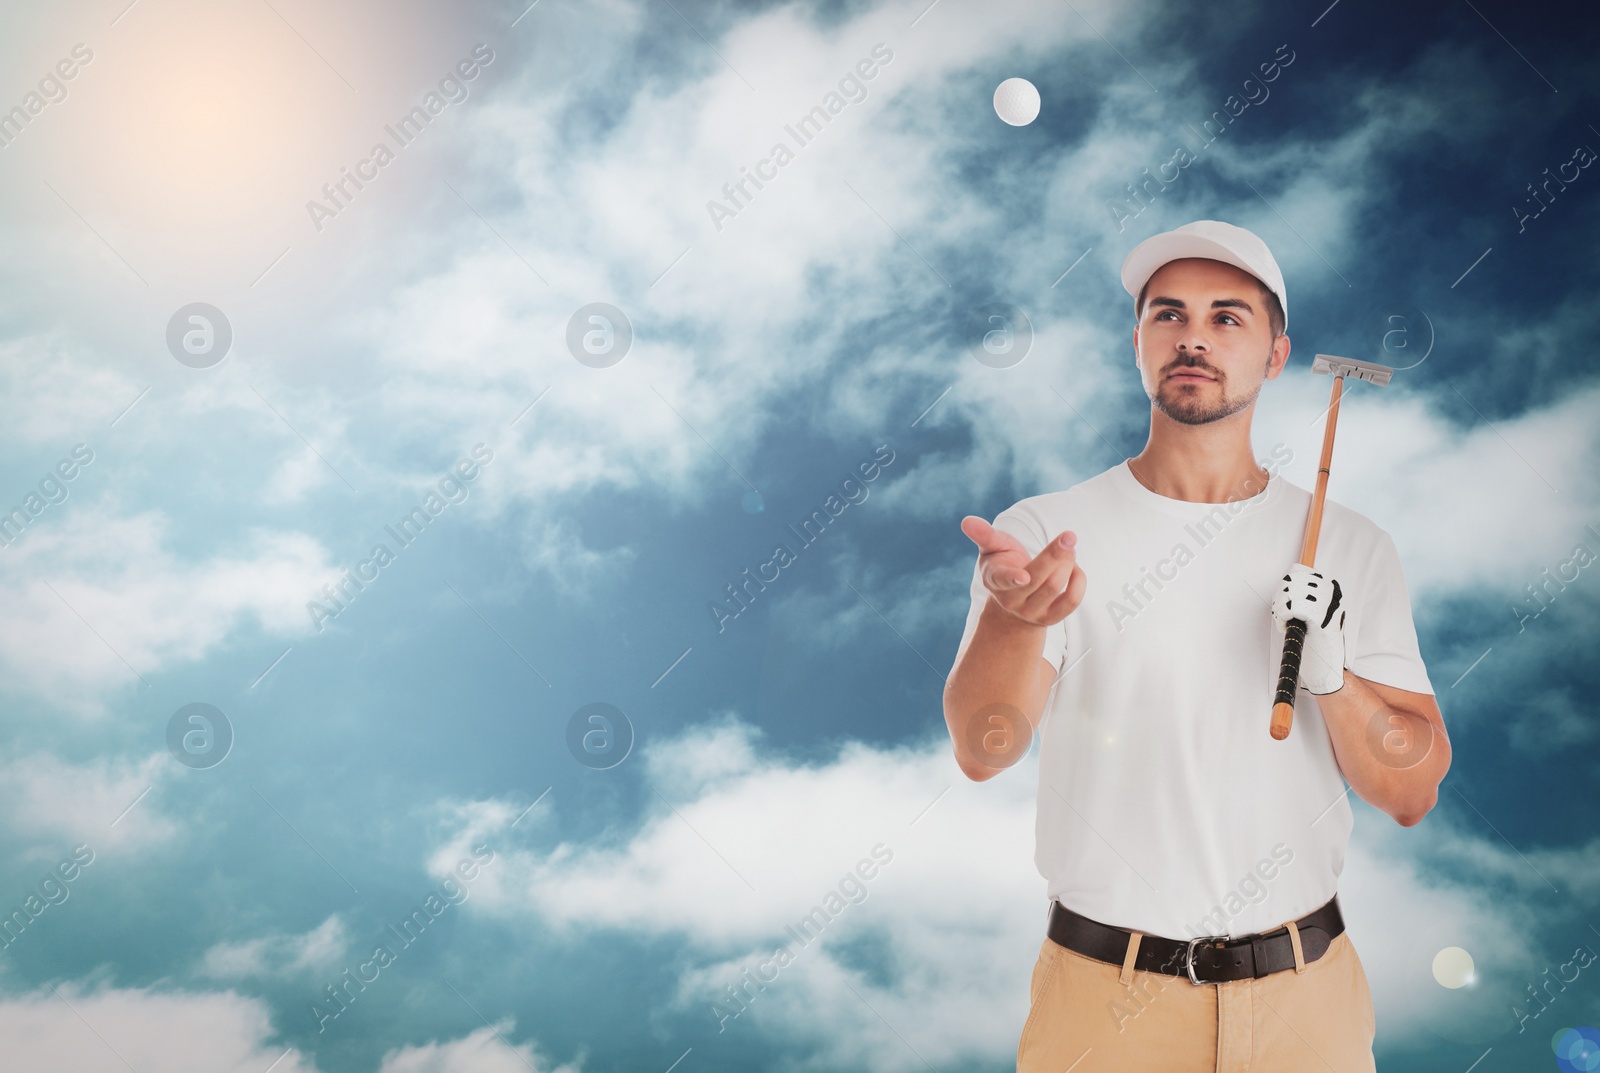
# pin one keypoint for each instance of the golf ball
(1453, 967)
(1016, 100)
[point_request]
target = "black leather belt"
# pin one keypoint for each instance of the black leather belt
(1205, 959)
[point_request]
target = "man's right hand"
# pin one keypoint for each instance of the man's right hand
(1040, 592)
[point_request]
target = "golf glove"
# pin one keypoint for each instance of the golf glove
(1318, 601)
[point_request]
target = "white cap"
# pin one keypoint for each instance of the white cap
(1211, 239)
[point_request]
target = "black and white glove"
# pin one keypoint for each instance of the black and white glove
(1318, 601)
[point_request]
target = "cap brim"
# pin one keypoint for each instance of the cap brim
(1157, 250)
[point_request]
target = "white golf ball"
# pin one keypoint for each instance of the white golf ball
(1016, 100)
(1453, 967)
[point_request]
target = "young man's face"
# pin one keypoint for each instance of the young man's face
(1205, 319)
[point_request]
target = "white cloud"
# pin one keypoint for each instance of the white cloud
(487, 1050)
(279, 955)
(554, 547)
(125, 604)
(1408, 893)
(961, 872)
(100, 1029)
(95, 1028)
(579, 213)
(960, 906)
(52, 396)
(1403, 464)
(709, 325)
(55, 804)
(708, 837)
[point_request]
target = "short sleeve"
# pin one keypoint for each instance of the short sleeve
(1032, 538)
(1384, 646)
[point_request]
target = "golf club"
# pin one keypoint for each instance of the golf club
(1295, 632)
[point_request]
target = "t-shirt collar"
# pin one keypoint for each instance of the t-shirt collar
(1183, 508)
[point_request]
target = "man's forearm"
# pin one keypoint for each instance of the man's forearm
(995, 685)
(1394, 759)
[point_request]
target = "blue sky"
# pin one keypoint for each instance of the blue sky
(823, 328)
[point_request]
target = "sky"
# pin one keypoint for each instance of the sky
(287, 283)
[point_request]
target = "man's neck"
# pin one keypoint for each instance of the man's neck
(1200, 476)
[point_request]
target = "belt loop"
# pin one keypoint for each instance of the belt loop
(1294, 941)
(1127, 963)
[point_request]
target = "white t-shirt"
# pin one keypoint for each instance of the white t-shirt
(1165, 805)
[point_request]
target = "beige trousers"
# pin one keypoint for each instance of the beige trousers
(1089, 1016)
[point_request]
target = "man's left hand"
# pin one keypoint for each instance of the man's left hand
(1317, 600)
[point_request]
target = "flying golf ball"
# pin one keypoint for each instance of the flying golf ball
(1016, 100)
(1453, 967)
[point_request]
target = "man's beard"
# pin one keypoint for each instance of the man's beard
(1186, 407)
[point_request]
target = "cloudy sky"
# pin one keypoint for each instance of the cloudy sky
(536, 343)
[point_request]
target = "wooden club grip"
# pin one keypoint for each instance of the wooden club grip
(1294, 637)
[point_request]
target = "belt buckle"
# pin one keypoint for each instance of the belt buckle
(1188, 960)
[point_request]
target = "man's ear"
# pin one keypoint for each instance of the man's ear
(1281, 343)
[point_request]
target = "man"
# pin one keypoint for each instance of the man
(1192, 860)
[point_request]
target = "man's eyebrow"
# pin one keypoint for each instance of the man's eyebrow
(1220, 303)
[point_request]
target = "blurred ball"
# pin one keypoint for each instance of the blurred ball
(1016, 100)
(1453, 967)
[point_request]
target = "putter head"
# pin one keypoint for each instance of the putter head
(1350, 367)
